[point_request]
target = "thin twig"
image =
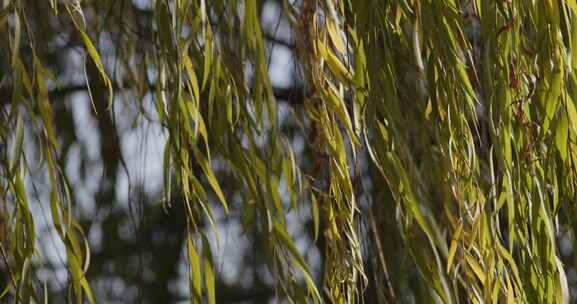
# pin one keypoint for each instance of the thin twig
(392, 295)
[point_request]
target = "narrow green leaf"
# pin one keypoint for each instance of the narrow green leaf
(315, 214)
(195, 272)
(209, 277)
(93, 53)
(203, 162)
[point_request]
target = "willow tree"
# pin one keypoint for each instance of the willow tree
(438, 163)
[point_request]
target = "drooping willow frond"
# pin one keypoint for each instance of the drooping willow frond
(439, 162)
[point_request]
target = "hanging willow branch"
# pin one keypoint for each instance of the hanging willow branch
(441, 140)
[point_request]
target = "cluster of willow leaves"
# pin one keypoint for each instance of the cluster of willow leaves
(299, 151)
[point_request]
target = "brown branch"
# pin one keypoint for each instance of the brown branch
(276, 40)
(292, 95)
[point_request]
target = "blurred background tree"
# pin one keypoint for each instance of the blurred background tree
(255, 151)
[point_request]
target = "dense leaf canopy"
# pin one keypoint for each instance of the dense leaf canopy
(419, 151)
